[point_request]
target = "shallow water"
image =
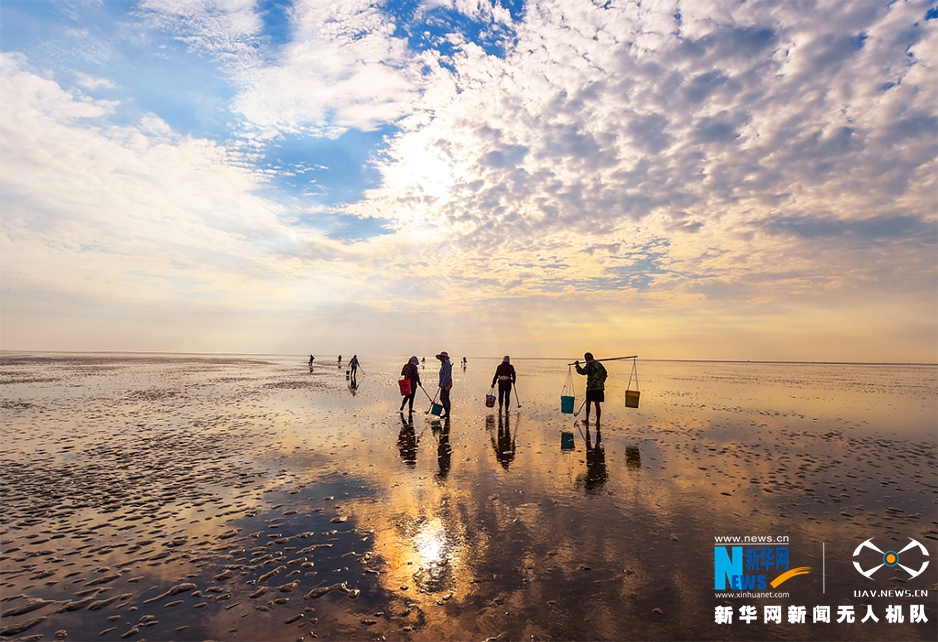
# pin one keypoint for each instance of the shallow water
(192, 498)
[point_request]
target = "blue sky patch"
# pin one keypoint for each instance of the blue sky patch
(431, 30)
(275, 14)
(345, 227)
(141, 70)
(326, 171)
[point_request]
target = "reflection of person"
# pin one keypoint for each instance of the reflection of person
(444, 452)
(409, 371)
(354, 364)
(446, 382)
(596, 474)
(407, 441)
(505, 446)
(505, 377)
(595, 384)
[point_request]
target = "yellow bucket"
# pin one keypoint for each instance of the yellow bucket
(631, 398)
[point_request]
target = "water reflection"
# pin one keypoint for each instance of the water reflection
(407, 440)
(444, 451)
(260, 469)
(633, 458)
(594, 479)
(434, 552)
(503, 442)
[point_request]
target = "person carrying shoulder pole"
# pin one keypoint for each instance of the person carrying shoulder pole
(505, 376)
(595, 384)
(446, 382)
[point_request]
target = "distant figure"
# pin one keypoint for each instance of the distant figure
(464, 362)
(311, 359)
(340, 359)
(595, 384)
(505, 377)
(446, 382)
(424, 360)
(354, 364)
(409, 371)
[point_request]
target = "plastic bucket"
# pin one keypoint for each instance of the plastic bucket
(405, 386)
(490, 401)
(631, 398)
(566, 440)
(436, 409)
(566, 404)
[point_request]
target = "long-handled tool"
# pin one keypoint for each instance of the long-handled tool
(432, 401)
(581, 408)
(516, 396)
(425, 392)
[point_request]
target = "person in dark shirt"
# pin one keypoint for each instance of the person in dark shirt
(446, 382)
(504, 377)
(595, 384)
(409, 371)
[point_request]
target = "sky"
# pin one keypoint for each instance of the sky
(677, 180)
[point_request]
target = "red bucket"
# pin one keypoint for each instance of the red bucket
(490, 401)
(405, 387)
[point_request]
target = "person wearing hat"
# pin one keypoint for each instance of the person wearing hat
(409, 371)
(446, 382)
(595, 384)
(505, 377)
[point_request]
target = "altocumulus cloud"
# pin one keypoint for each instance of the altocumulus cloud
(712, 163)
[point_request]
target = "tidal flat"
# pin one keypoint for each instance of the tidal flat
(186, 497)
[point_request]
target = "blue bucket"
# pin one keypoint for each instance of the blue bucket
(566, 440)
(436, 409)
(566, 404)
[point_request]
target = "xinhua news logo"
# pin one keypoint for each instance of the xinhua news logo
(869, 555)
(748, 568)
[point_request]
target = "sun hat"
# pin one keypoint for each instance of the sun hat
(444, 355)
(505, 360)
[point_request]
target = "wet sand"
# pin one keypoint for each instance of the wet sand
(236, 498)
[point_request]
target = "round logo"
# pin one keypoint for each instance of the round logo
(891, 559)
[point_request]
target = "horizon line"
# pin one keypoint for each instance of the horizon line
(278, 354)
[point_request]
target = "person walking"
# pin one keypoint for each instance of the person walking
(446, 382)
(505, 377)
(354, 364)
(410, 371)
(595, 384)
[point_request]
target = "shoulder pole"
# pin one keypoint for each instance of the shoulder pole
(610, 359)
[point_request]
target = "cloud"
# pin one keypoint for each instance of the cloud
(136, 213)
(665, 158)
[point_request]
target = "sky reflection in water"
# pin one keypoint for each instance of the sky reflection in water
(217, 472)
